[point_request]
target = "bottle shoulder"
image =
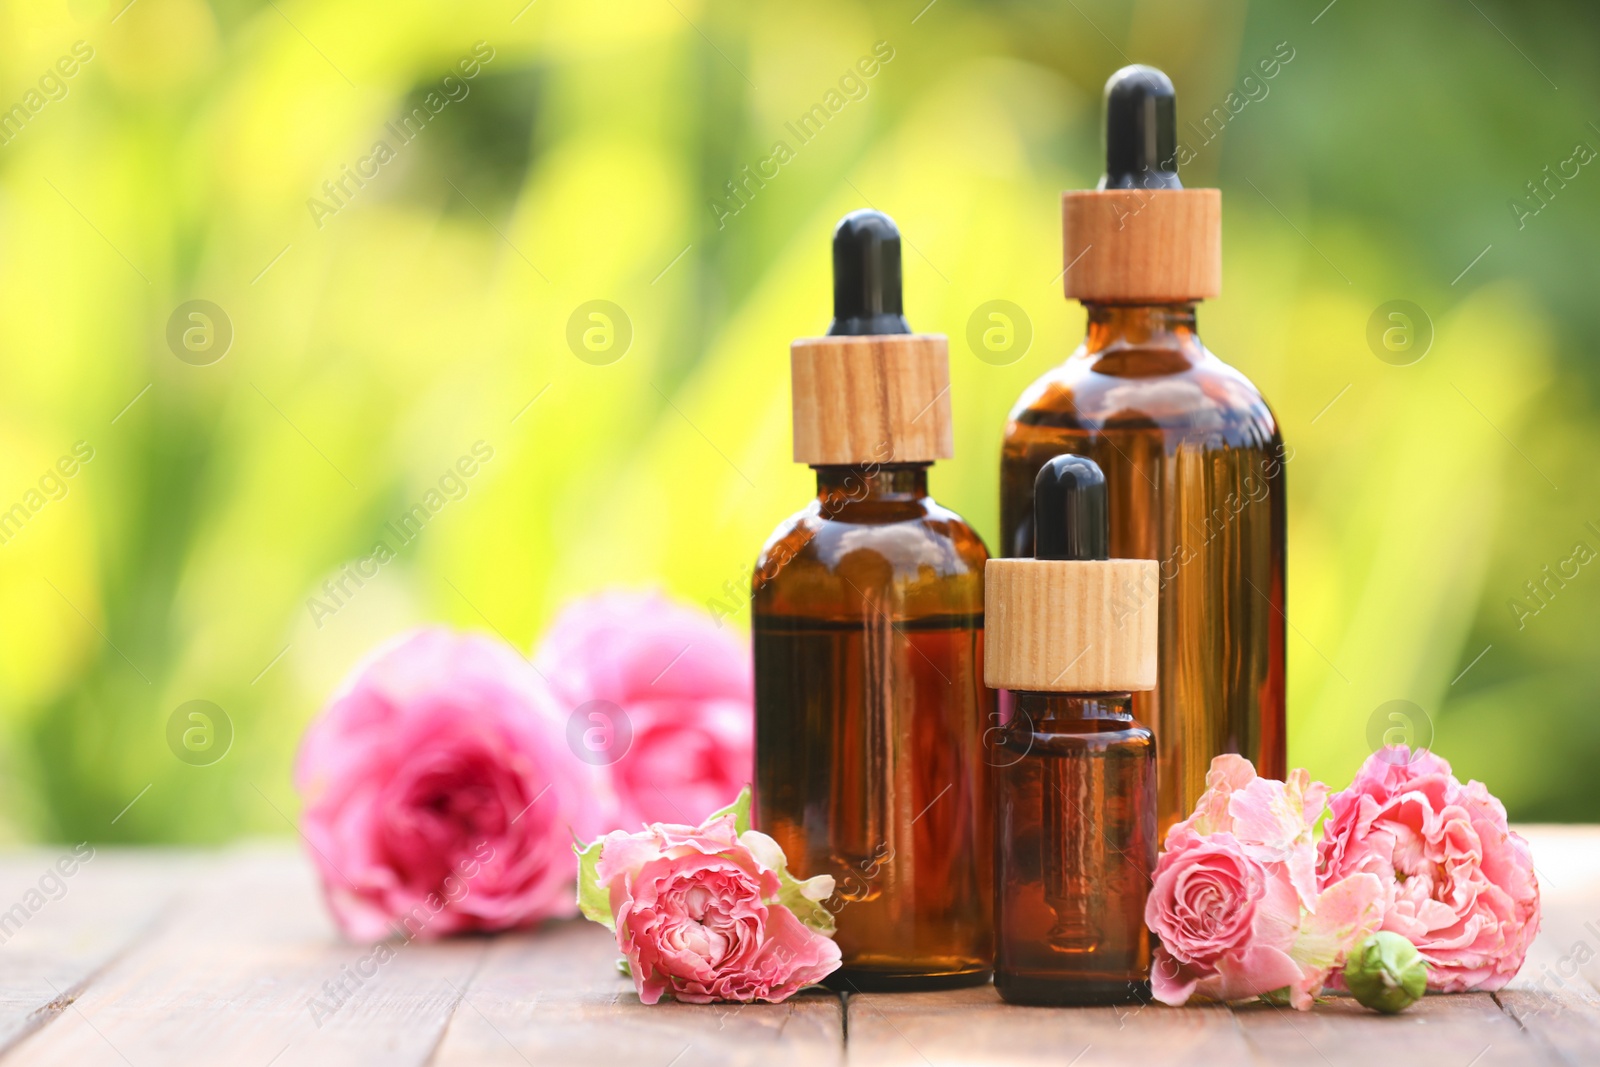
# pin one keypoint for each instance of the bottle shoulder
(1199, 395)
(912, 533)
(914, 557)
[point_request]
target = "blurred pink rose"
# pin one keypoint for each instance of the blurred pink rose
(440, 794)
(1456, 881)
(1234, 897)
(657, 692)
(708, 913)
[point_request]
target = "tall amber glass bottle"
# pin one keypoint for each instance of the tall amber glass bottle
(1192, 454)
(1075, 779)
(868, 631)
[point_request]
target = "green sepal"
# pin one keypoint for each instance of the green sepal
(814, 913)
(593, 900)
(739, 809)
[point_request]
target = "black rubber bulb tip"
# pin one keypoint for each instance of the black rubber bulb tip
(866, 276)
(1141, 130)
(1070, 519)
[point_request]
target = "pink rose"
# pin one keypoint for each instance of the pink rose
(708, 912)
(1226, 921)
(1234, 898)
(440, 794)
(661, 695)
(1272, 820)
(1457, 883)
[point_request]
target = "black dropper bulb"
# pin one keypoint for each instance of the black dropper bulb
(866, 276)
(1069, 510)
(1141, 130)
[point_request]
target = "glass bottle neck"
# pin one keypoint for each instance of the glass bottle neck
(1114, 709)
(1119, 327)
(872, 481)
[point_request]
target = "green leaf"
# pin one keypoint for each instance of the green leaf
(593, 900)
(739, 809)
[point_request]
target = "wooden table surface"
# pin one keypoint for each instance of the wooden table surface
(164, 957)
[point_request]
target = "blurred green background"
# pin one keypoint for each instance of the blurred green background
(378, 338)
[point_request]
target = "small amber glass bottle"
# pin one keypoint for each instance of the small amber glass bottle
(868, 633)
(1075, 789)
(1193, 455)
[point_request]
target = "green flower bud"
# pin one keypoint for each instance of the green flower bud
(1386, 973)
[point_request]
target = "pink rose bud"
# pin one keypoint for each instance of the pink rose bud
(440, 794)
(1457, 883)
(709, 912)
(656, 692)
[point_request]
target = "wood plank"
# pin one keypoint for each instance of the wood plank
(235, 974)
(966, 1026)
(66, 915)
(1565, 957)
(1566, 1022)
(1556, 997)
(554, 996)
(1461, 1029)
(164, 957)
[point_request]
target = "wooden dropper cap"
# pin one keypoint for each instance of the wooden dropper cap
(1070, 620)
(1140, 237)
(871, 391)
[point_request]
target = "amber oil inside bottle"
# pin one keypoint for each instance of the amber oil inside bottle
(871, 707)
(1194, 463)
(1075, 845)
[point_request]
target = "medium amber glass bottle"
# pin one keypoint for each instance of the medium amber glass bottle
(868, 633)
(1192, 454)
(1075, 785)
